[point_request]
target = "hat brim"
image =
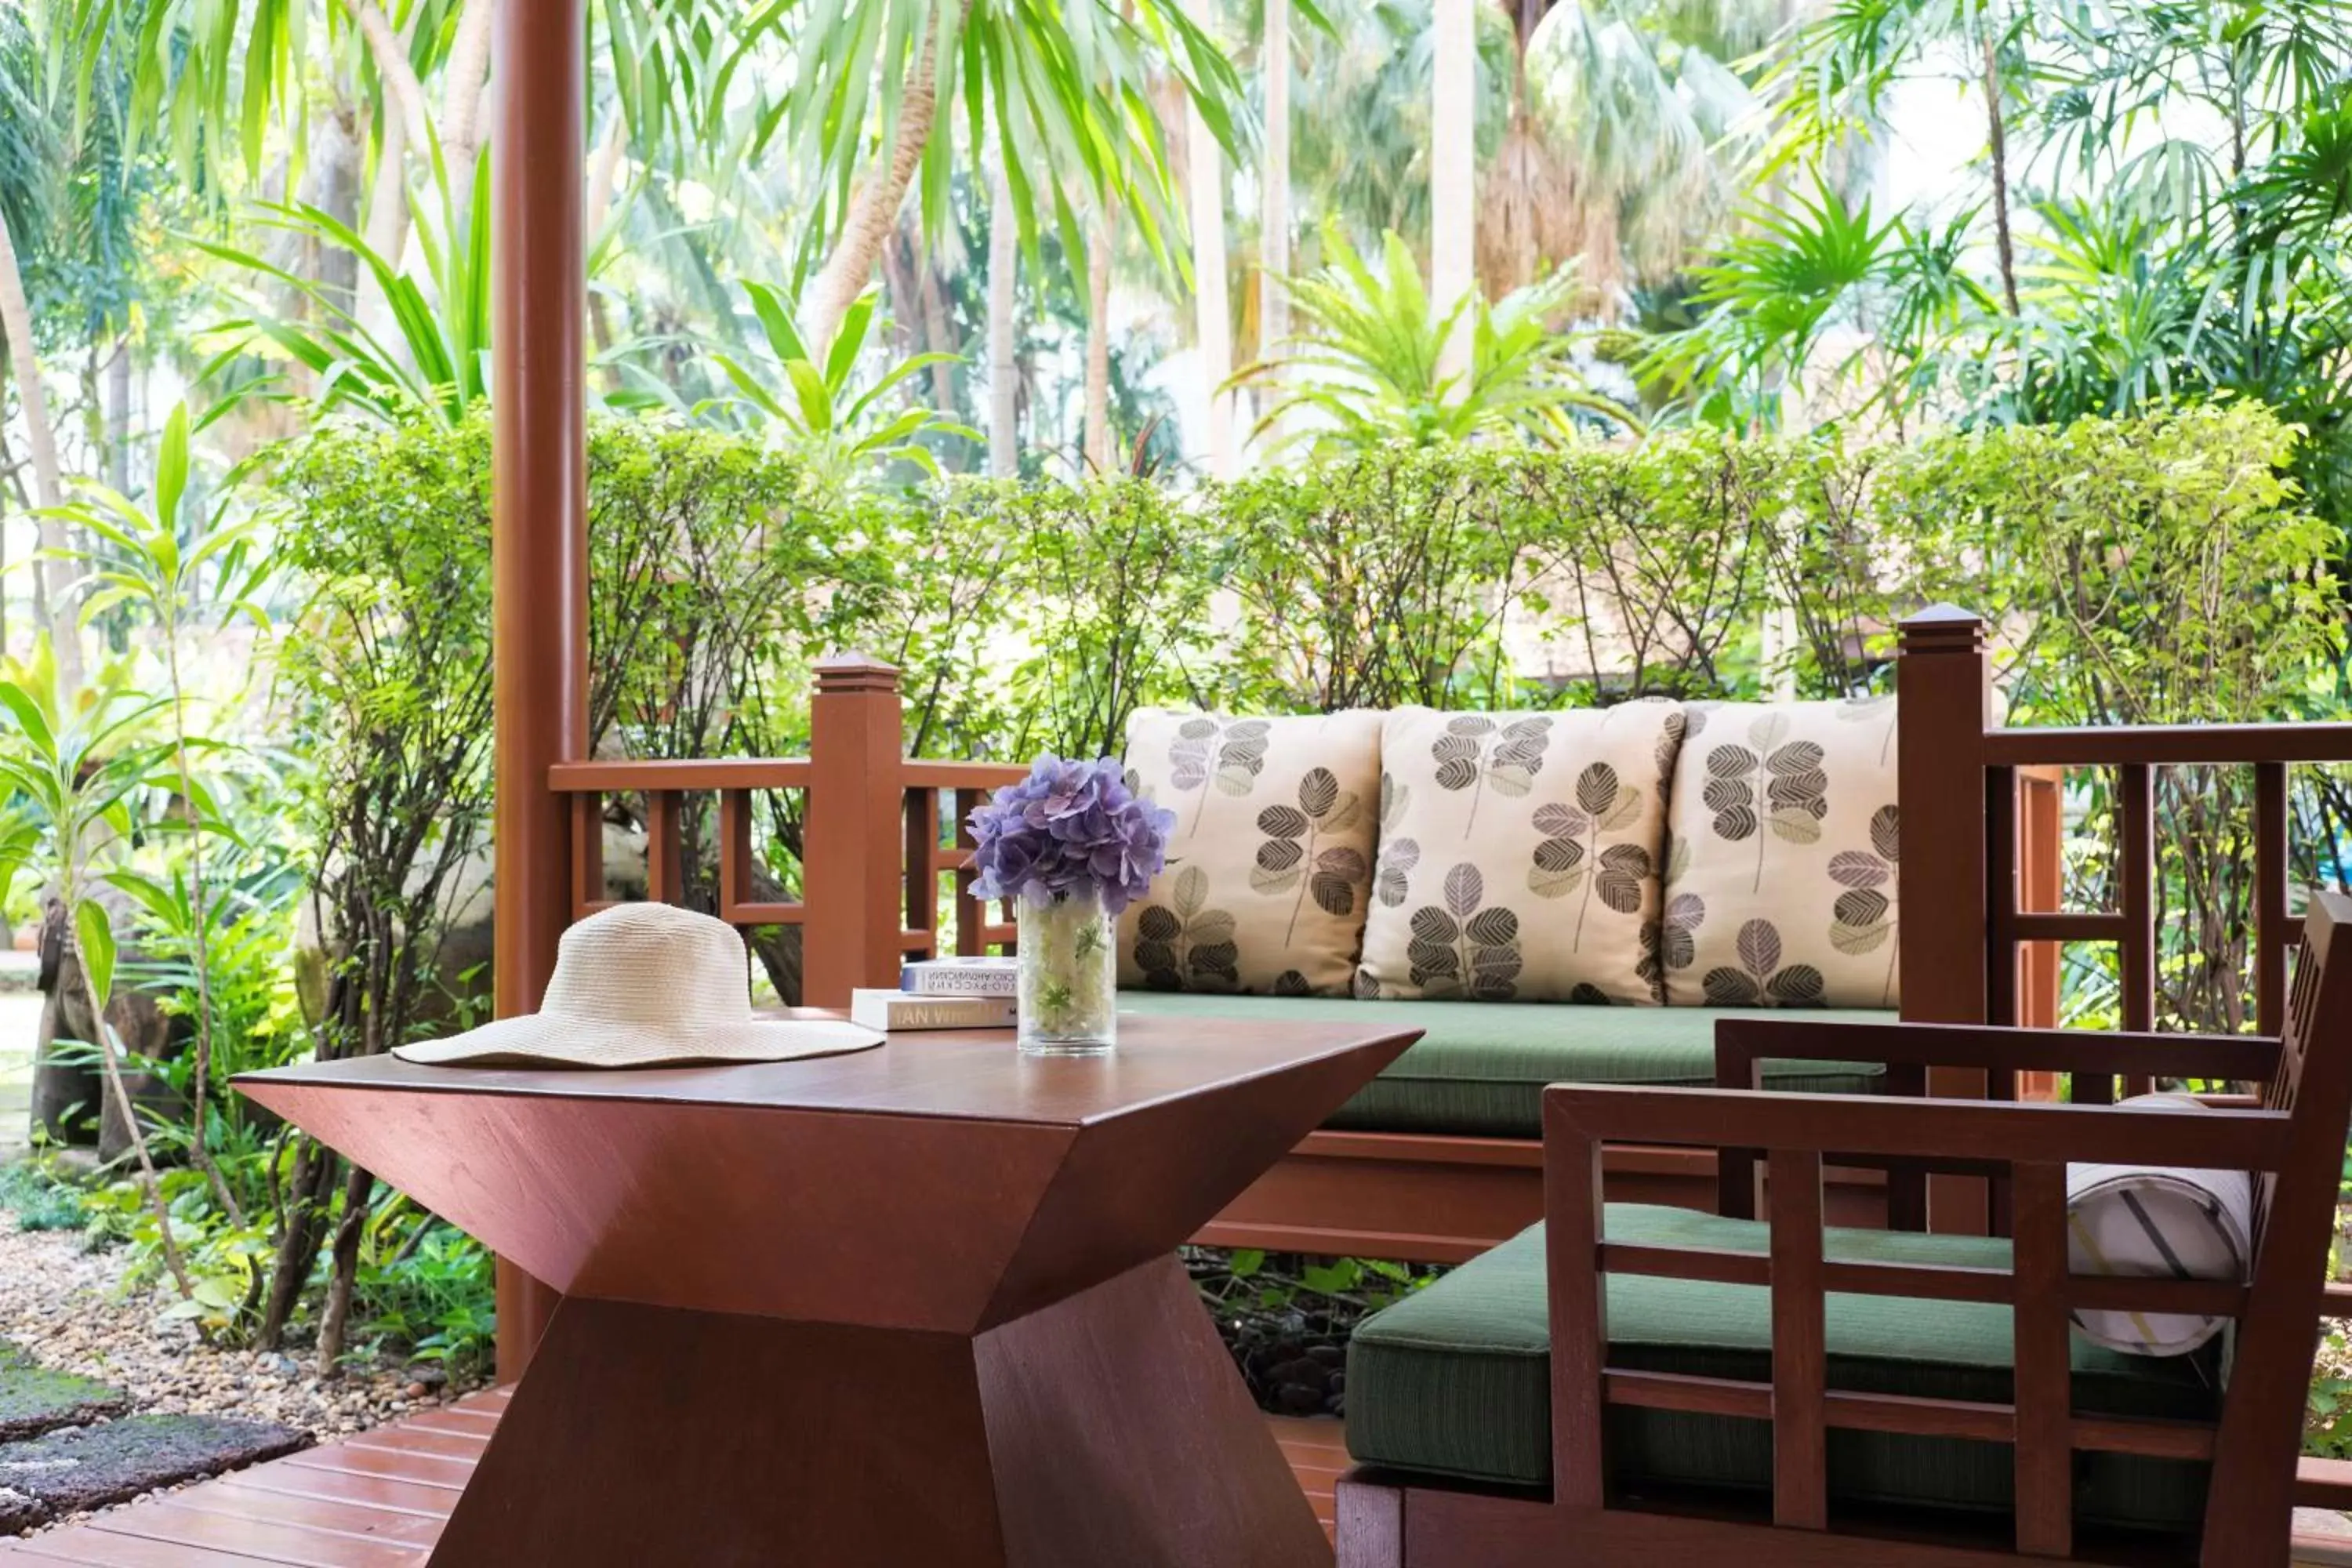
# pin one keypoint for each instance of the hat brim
(552, 1040)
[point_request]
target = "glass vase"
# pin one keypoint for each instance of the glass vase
(1070, 975)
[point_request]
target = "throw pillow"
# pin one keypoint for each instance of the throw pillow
(1270, 865)
(2155, 1223)
(1781, 864)
(1520, 854)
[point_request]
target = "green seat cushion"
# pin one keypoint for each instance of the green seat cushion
(1479, 1069)
(1453, 1380)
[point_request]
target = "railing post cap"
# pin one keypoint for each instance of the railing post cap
(841, 673)
(1943, 628)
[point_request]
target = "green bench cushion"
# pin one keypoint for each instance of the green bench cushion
(1454, 1380)
(1480, 1067)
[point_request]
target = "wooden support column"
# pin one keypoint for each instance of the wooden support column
(539, 530)
(1943, 693)
(852, 879)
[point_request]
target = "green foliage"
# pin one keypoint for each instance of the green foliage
(435, 363)
(40, 1197)
(844, 434)
(1368, 366)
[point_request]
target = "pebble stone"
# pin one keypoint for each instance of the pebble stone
(67, 1309)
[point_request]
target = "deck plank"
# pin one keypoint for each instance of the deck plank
(379, 1500)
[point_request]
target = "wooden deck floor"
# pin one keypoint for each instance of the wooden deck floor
(379, 1500)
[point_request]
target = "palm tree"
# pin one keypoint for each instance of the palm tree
(1213, 307)
(35, 162)
(1069, 83)
(1275, 66)
(1454, 163)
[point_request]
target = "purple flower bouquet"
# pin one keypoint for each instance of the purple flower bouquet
(1069, 846)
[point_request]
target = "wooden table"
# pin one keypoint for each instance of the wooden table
(917, 1305)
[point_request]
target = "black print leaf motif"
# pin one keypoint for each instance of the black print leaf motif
(1183, 943)
(1398, 855)
(1293, 856)
(1759, 980)
(1474, 752)
(1772, 783)
(1585, 993)
(1231, 751)
(1459, 947)
(1572, 836)
(1671, 941)
(1290, 983)
(1670, 748)
(1863, 919)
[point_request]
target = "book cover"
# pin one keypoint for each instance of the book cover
(961, 977)
(896, 1011)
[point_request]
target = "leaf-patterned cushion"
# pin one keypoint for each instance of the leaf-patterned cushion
(1783, 848)
(1519, 854)
(1269, 867)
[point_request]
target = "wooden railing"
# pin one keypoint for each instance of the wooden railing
(1978, 796)
(1980, 879)
(883, 836)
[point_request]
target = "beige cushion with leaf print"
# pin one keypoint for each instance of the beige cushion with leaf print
(1519, 854)
(1783, 849)
(1270, 865)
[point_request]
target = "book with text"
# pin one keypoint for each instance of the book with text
(961, 977)
(892, 1011)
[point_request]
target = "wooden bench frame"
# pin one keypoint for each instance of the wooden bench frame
(1978, 886)
(2294, 1140)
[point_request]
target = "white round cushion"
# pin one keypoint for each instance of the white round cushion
(2157, 1221)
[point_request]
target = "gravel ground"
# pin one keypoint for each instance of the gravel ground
(59, 1303)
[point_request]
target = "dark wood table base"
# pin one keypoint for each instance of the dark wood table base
(1102, 1432)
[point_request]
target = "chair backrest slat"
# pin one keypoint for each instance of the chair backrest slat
(1800, 1352)
(2045, 1456)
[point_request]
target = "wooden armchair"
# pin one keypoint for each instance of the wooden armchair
(2093, 1441)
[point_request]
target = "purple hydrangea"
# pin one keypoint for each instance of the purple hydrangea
(1069, 827)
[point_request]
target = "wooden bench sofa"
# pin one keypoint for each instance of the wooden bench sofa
(1441, 1159)
(1627, 1384)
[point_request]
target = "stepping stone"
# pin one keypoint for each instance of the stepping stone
(34, 1400)
(83, 1467)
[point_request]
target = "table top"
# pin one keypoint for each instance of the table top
(939, 1180)
(959, 1073)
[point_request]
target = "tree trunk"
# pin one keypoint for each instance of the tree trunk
(118, 418)
(461, 101)
(1453, 172)
(336, 162)
(1098, 433)
(389, 50)
(938, 336)
(48, 482)
(1004, 370)
(300, 1216)
(1211, 304)
(874, 205)
(604, 173)
(1274, 211)
(1997, 134)
(335, 1313)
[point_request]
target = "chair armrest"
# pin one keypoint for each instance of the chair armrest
(1578, 1119)
(1741, 1045)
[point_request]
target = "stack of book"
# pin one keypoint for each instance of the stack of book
(943, 994)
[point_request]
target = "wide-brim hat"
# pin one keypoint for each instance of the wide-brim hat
(640, 985)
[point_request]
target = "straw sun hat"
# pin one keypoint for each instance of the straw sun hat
(642, 985)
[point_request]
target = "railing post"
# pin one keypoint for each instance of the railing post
(852, 878)
(1944, 696)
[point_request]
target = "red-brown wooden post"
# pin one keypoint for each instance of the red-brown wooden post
(852, 879)
(539, 530)
(1943, 693)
